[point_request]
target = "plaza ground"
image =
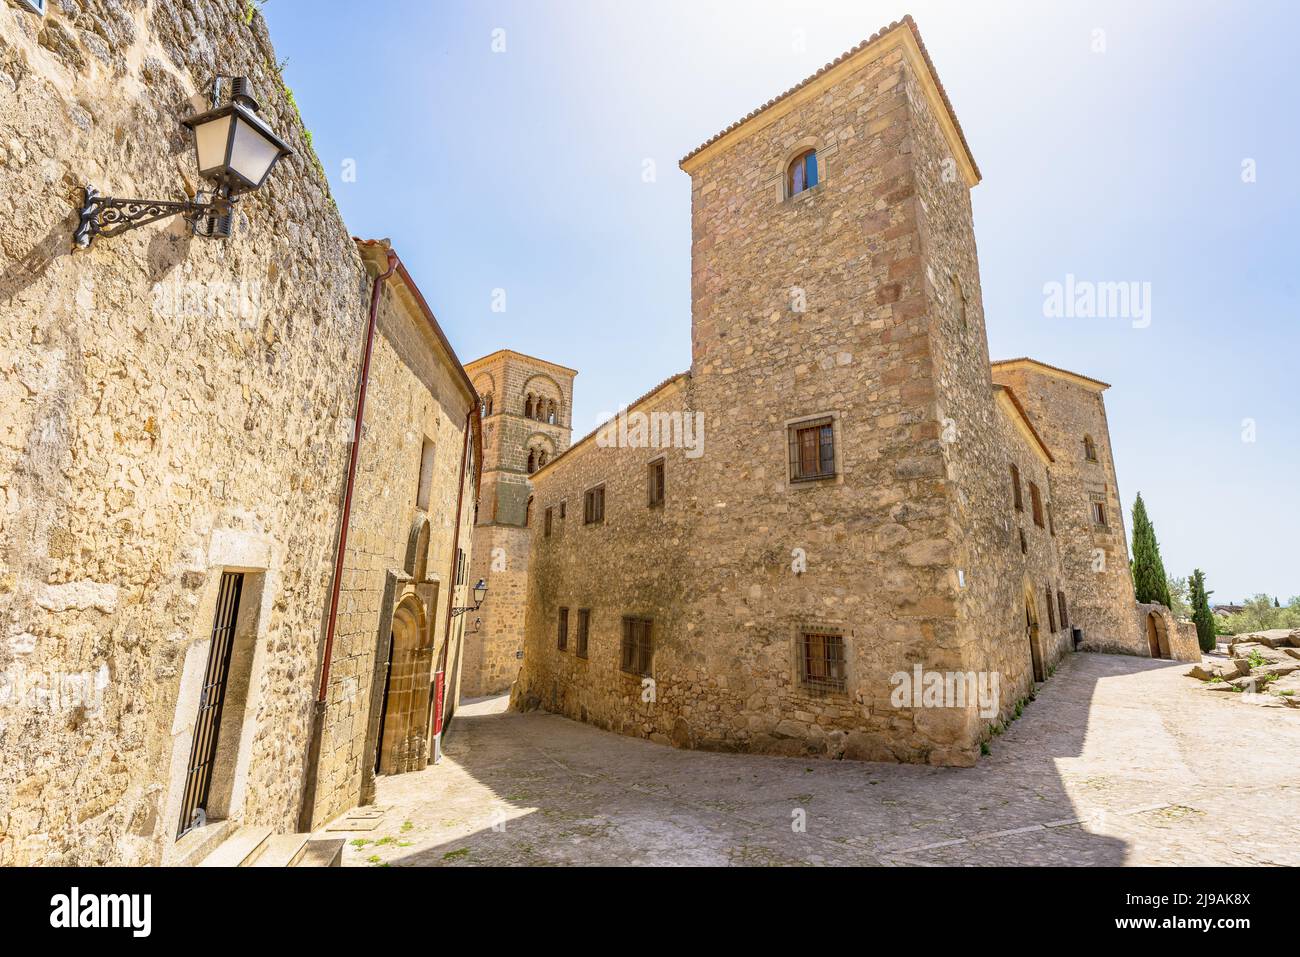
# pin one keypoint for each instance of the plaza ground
(1119, 760)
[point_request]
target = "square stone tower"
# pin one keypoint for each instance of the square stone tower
(527, 418)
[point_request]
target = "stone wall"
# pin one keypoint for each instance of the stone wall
(1066, 407)
(170, 408)
(400, 549)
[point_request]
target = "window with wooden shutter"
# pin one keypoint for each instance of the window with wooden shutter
(548, 522)
(562, 630)
(821, 661)
(638, 648)
(1051, 610)
(812, 450)
(1036, 503)
(584, 629)
(1060, 601)
(656, 482)
(1015, 489)
(593, 506)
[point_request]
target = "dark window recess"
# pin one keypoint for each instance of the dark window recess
(1051, 519)
(1051, 609)
(593, 506)
(1060, 602)
(638, 646)
(212, 696)
(548, 523)
(562, 504)
(562, 630)
(1036, 503)
(1024, 543)
(802, 173)
(1089, 449)
(656, 479)
(460, 566)
(821, 661)
(1099, 513)
(812, 450)
(584, 629)
(1015, 489)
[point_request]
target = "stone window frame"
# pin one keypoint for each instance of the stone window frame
(1089, 449)
(588, 518)
(657, 493)
(791, 426)
(821, 689)
(1097, 510)
(825, 151)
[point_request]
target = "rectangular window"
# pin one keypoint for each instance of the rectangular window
(638, 646)
(562, 509)
(821, 661)
(1099, 513)
(593, 506)
(812, 450)
(424, 490)
(562, 630)
(1015, 489)
(1051, 610)
(584, 629)
(1060, 601)
(548, 522)
(656, 481)
(1036, 503)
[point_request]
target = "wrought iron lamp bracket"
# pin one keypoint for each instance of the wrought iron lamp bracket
(108, 216)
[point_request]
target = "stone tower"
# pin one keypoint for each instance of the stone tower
(527, 418)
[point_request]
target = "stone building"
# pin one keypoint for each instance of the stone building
(176, 438)
(843, 487)
(527, 418)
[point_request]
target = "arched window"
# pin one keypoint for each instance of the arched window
(528, 407)
(551, 416)
(802, 173)
(487, 404)
(1089, 449)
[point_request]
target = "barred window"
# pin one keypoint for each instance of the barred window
(593, 506)
(562, 630)
(812, 450)
(656, 482)
(821, 661)
(584, 629)
(638, 646)
(1036, 503)
(1015, 489)
(1060, 601)
(1098, 512)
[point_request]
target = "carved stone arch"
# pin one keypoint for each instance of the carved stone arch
(417, 550)
(545, 388)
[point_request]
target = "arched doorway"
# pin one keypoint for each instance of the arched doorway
(404, 716)
(1157, 636)
(1031, 633)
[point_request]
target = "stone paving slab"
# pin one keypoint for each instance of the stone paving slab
(1120, 760)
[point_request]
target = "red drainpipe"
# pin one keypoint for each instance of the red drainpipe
(352, 475)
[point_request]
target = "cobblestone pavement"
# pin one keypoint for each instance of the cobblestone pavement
(1120, 760)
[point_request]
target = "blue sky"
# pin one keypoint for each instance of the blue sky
(524, 171)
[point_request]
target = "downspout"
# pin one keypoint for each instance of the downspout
(440, 677)
(305, 812)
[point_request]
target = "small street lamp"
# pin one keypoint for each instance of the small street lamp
(235, 151)
(480, 592)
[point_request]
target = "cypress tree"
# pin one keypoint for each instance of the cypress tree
(1201, 613)
(1149, 581)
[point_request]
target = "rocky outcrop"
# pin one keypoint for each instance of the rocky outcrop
(1264, 667)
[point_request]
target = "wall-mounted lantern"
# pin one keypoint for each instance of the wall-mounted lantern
(480, 592)
(235, 151)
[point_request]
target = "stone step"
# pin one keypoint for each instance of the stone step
(283, 850)
(327, 852)
(241, 849)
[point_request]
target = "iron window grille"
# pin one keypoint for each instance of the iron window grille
(821, 661)
(812, 450)
(638, 646)
(212, 697)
